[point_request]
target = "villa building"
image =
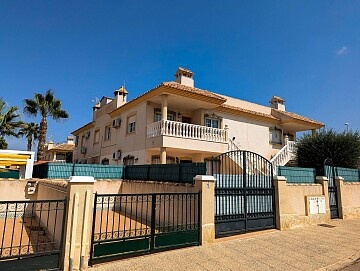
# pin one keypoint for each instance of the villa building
(61, 152)
(175, 122)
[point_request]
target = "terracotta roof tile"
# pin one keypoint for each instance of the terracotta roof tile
(299, 117)
(63, 147)
(249, 111)
(193, 90)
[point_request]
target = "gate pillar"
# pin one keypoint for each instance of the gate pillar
(76, 250)
(206, 184)
(339, 182)
(280, 186)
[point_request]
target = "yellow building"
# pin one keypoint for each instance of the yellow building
(177, 122)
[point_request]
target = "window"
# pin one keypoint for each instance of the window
(275, 135)
(96, 136)
(131, 127)
(157, 115)
(129, 160)
(107, 132)
(212, 122)
(155, 159)
(131, 121)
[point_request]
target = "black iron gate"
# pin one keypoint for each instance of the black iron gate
(330, 173)
(244, 193)
(130, 224)
(31, 234)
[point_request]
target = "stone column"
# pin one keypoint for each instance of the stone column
(164, 106)
(280, 187)
(78, 223)
(162, 155)
(325, 187)
(339, 182)
(164, 110)
(206, 184)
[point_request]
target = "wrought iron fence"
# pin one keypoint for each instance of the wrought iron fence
(30, 229)
(125, 224)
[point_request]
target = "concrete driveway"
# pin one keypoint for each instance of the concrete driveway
(331, 246)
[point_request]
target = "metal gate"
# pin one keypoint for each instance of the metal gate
(244, 193)
(330, 173)
(130, 224)
(31, 234)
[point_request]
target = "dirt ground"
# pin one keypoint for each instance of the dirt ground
(112, 225)
(19, 236)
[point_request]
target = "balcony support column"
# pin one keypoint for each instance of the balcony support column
(164, 106)
(162, 155)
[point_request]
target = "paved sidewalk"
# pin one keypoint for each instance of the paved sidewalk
(310, 248)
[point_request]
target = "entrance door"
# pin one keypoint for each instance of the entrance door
(244, 193)
(329, 170)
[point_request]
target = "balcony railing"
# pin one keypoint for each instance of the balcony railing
(186, 130)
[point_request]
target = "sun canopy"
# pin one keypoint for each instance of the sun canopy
(13, 159)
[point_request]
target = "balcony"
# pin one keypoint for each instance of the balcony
(186, 131)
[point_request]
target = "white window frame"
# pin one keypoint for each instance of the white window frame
(107, 135)
(275, 135)
(212, 121)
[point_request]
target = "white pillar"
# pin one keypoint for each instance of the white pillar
(162, 155)
(164, 107)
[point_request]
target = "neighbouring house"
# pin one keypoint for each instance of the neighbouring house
(23, 160)
(61, 152)
(176, 122)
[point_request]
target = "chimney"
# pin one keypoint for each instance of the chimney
(70, 140)
(277, 103)
(120, 96)
(184, 77)
(95, 108)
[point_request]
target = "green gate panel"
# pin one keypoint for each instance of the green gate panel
(126, 246)
(176, 239)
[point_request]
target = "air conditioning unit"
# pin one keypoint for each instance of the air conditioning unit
(87, 135)
(83, 150)
(116, 123)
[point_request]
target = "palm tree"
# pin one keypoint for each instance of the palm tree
(9, 122)
(46, 106)
(31, 131)
(3, 144)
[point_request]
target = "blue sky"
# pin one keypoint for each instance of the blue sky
(307, 52)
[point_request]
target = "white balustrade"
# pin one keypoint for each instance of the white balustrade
(284, 155)
(185, 130)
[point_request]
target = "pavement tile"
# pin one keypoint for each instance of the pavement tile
(309, 248)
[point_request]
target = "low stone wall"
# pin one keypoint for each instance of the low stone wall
(349, 198)
(51, 189)
(108, 186)
(144, 187)
(13, 189)
(292, 208)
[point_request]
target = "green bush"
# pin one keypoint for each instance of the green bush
(342, 148)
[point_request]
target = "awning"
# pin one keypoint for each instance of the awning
(13, 159)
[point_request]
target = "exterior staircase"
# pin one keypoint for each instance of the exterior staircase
(286, 154)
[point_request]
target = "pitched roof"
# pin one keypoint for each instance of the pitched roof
(193, 90)
(298, 117)
(63, 147)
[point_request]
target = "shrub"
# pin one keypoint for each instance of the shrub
(342, 148)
